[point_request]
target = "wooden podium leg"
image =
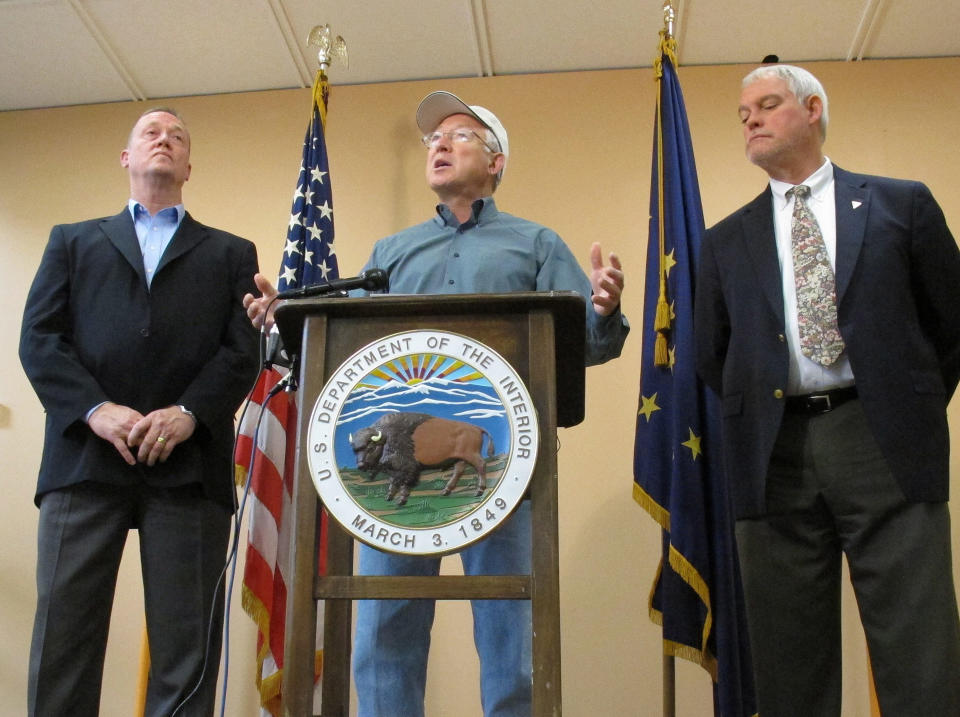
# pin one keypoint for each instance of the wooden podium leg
(300, 640)
(337, 639)
(543, 509)
(300, 626)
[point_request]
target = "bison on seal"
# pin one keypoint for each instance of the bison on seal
(403, 444)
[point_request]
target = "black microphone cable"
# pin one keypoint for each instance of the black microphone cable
(239, 508)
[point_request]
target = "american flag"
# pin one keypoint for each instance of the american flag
(308, 258)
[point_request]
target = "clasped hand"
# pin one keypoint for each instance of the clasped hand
(153, 436)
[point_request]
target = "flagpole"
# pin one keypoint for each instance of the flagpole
(669, 686)
(144, 674)
(669, 661)
(696, 596)
(264, 455)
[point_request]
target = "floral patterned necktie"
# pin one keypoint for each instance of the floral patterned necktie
(820, 338)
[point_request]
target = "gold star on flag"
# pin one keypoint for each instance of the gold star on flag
(693, 443)
(649, 405)
(669, 262)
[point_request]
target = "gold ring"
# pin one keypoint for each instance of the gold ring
(161, 439)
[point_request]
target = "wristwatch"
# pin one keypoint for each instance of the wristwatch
(189, 413)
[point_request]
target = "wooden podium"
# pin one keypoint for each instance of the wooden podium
(541, 335)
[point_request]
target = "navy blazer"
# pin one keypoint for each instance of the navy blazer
(92, 332)
(898, 289)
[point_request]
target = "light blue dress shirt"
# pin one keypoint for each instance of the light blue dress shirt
(493, 252)
(154, 232)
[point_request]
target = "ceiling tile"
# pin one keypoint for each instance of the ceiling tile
(196, 47)
(47, 59)
(916, 29)
(533, 36)
(720, 33)
(390, 40)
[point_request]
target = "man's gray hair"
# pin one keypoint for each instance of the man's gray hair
(799, 81)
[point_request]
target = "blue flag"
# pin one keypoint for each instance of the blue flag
(678, 473)
(309, 256)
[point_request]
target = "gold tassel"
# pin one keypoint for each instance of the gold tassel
(661, 356)
(662, 320)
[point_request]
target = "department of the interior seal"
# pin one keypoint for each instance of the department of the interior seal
(422, 442)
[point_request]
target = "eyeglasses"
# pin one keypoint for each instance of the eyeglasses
(457, 136)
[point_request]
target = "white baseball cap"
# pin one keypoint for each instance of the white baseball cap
(437, 106)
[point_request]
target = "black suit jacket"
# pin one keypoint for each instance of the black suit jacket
(898, 288)
(93, 332)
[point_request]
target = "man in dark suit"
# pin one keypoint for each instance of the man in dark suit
(136, 342)
(834, 386)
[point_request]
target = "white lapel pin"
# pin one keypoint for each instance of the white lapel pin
(855, 204)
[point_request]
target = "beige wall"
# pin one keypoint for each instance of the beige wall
(580, 164)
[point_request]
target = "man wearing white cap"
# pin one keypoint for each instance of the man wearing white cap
(468, 247)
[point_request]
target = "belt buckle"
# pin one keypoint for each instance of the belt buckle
(820, 403)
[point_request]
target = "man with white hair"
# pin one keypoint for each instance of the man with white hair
(828, 321)
(468, 247)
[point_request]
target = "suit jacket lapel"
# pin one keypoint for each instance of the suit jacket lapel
(121, 233)
(188, 235)
(761, 246)
(852, 206)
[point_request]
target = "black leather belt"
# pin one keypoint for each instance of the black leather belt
(824, 402)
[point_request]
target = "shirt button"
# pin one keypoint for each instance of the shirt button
(778, 393)
(450, 281)
(144, 332)
(456, 255)
(781, 338)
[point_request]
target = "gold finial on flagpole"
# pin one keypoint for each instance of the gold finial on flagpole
(668, 17)
(330, 48)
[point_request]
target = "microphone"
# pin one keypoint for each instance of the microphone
(371, 280)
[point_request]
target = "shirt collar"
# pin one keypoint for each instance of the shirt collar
(484, 210)
(819, 182)
(136, 208)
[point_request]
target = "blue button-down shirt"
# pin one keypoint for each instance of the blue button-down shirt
(154, 232)
(493, 252)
